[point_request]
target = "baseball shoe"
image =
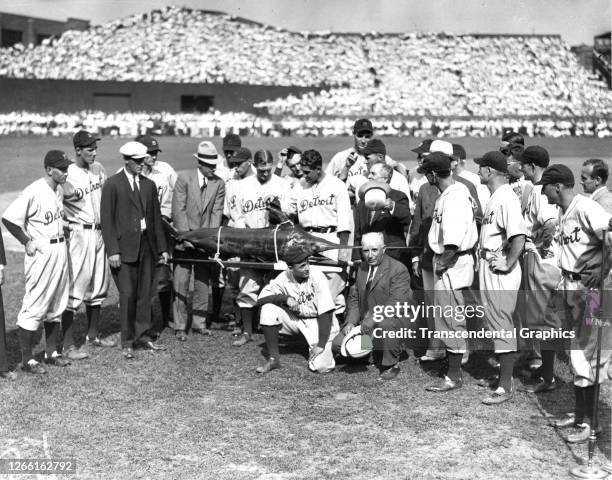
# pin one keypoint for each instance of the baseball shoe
(567, 421)
(150, 345)
(10, 376)
(56, 360)
(180, 335)
(101, 342)
(271, 364)
(202, 331)
(465, 359)
(128, 353)
(33, 367)
(73, 353)
(431, 356)
(543, 386)
(242, 340)
(390, 373)
(581, 434)
(444, 385)
(498, 396)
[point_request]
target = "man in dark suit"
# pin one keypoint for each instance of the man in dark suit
(198, 201)
(392, 219)
(134, 237)
(4, 368)
(381, 281)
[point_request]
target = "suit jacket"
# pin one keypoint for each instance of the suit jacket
(393, 226)
(120, 217)
(604, 198)
(192, 209)
(421, 222)
(390, 285)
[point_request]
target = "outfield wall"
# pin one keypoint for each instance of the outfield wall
(75, 95)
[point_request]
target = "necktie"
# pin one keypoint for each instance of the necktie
(369, 280)
(137, 194)
(203, 187)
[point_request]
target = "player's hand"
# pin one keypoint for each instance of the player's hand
(499, 265)
(114, 260)
(292, 304)
(593, 279)
(32, 247)
(163, 258)
(315, 351)
(351, 159)
(389, 205)
(346, 329)
(282, 156)
(416, 268)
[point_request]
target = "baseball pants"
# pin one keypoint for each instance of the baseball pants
(435, 345)
(47, 283)
(89, 268)
(337, 282)
(272, 315)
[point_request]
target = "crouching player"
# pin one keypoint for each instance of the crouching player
(299, 301)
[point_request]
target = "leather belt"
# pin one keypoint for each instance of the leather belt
(571, 275)
(321, 229)
(87, 226)
(57, 240)
(464, 252)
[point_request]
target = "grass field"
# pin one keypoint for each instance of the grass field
(200, 411)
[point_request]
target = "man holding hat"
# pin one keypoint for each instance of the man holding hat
(291, 157)
(452, 237)
(582, 225)
(135, 241)
(164, 177)
(376, 152)
(502, 238)
(35, 218)
(88, 263)
(197, 202)
(299, 301)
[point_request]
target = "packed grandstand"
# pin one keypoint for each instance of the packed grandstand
(415, 84)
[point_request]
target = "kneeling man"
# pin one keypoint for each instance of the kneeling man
(299, 301)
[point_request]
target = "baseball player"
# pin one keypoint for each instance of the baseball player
(582, 223)
(502, 238)
(88, 264)
(452, 237)
(299, 301)
(35, 218)
(322, 207)
(253, 197)
(512, 146)
(541, 273)
(164, 177)
(291, 157)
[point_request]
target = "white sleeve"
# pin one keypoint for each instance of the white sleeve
(345, 214)
(18, 211)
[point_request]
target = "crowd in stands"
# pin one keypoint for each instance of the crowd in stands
(217, 124)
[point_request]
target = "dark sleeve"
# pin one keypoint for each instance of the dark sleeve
(399, 288)
(324, 321)
(353, 315)
(2, 254)
(17, 232)
(160, 236)
(107, 218)
(402, 210)
(415, 227)
(356, 255)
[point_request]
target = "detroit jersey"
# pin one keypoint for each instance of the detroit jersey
(253, 197)
(502, 219)
(83, 192)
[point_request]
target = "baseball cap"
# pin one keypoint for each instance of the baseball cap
(291, 150)
(133, 150)
(231, 142)
(495, 159)
(240, 155)
(83, 138)
(423, 147)
(557, 173)
(435, 162)
(363, 125)
(207, 153)
(441, 146)
(56, 159)
(374, 146)
(148, 141)
(536, 155)
(296, 256)
(459, 152)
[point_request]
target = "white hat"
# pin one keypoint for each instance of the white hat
(355, 344)
(135, 150)
(207, 153)
(374, 193)
(441, 146)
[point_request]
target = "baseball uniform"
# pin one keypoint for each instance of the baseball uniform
(453, 223)
(39, 211)
(313, 298)
(88, 263)
(502, 221)
(580, 237)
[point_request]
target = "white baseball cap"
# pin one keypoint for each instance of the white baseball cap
(441, 146)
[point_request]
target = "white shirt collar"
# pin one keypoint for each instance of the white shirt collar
(202, 180)
(131, 177)
(595, 192)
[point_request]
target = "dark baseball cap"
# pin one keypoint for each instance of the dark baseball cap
(374, 146)
(423, 147)
(83, 138)
(557, 173)
(496, 160)
(296, 256)
(536, 155)
(291, 150)
(56, 159)
(436, 162)
(363, 125)
(459, 152)
(240, 155)
(148, 141)
(231, 142)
